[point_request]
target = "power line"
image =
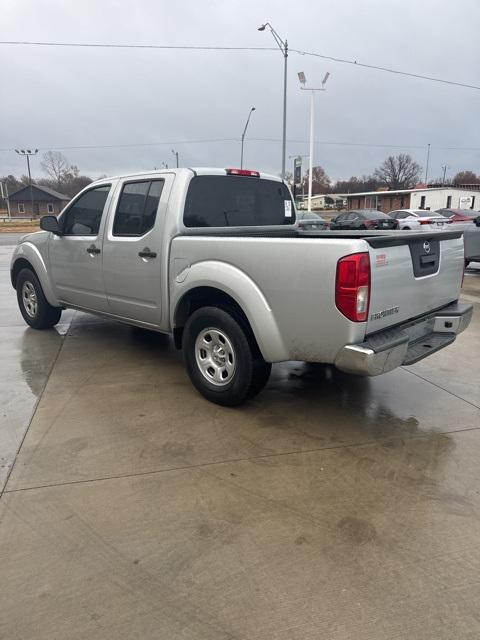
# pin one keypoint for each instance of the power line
(356, 63)
(386, 69)
(106, 45)
(237, 140)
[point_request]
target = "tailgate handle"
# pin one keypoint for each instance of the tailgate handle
(428, 259)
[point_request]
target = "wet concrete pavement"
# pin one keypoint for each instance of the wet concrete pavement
(329, 507)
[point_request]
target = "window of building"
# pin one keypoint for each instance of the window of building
(84, 216)
(233, 201)
(422, 202)
(449, 202)
(402, 202)
(473, 202)
(50, 208)
(137, 208)
(21, 207)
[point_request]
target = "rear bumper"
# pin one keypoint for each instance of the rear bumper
(405, 344)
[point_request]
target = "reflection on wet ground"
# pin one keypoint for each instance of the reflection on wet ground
(329, 507)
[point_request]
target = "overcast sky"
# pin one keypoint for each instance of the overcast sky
(66, 97)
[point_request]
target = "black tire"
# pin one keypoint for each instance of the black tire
(362, 226)
(406, 229)
(35, 309)
(247, 372)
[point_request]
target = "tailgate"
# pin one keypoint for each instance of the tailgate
(412, 274)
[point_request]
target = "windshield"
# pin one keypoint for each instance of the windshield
(374, 215)
(237, 201)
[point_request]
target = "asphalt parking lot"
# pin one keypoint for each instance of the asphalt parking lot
(330, 507)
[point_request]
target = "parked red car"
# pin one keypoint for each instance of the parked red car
(459, 215)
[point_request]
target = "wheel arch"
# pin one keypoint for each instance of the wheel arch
(236, 291)
(28, 256)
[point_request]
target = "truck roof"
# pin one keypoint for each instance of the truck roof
(201, 171)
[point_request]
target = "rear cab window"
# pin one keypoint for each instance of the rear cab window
(237, 201)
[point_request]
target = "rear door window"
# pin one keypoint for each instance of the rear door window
(137, 207)
(237, 201)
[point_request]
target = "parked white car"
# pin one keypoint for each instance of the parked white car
(419, 220)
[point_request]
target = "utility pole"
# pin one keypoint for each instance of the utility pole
(27, 153)
(175, 153)
(4, 193)
(283, 46)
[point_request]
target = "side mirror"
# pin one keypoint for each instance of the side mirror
(477, 221)
(50, 223)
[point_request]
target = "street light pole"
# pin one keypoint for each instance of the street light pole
(302, 78)
(175, 153)
(28, 153)
(243, 136)
(426, 167)
(444, 167)
(283, 46)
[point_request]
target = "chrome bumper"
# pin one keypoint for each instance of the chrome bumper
(405, 344)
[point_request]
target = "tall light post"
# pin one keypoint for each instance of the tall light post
(426, 166)
(243, 135)
(175, 153)
(444, 167)
(303, 80)
(28, 153)
(283, 46)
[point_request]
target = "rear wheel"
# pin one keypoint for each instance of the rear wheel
(221, 356)
(34, 307)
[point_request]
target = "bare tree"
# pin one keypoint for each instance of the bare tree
(466, 177)
(398, 172)
(56, 166)
(320, 181)
(355, 184)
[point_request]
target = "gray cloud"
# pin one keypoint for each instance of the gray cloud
(57, 97)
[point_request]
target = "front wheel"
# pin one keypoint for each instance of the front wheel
(34, 307)
(221, 356)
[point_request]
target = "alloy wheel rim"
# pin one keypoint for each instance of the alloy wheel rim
(29, 298)
(215, 356)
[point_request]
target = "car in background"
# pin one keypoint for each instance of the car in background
(459, 215)
(311, 221)
(363, 219)
(419, 220)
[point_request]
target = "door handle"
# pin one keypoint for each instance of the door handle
(146, 253)
(92, 249)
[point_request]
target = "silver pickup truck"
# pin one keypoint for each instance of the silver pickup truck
(215, 258)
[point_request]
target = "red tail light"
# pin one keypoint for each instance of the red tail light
(242, 172)
(425, 221)
(352, 286)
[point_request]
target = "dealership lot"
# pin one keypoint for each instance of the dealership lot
(329, 507)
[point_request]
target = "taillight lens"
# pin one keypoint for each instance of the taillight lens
(425, 221)
(352, 286)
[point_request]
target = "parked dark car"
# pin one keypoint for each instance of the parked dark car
(309, 221)
(459, 215)
(363, 219)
